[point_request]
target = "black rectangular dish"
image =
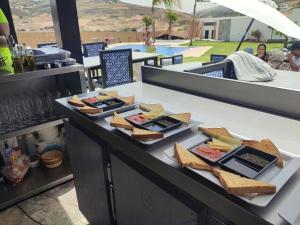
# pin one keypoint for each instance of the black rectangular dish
(161, 124)
(105, 105)
(247, 162)
(211, 156)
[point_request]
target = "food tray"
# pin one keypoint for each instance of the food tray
(161, 124)
(274, 175)
(105, 105)
(108, 112)
(167, 135)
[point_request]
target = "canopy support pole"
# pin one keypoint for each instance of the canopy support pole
(245, 35)
(66, 26)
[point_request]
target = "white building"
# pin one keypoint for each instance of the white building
(233, 28)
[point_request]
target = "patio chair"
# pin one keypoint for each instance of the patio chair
(45, 45)
(177, 59)
(217, 58)
(218, 70)
(116, 67)
(94, 77)
(166, 61)
(93, 49)
(249, 50)
(151, 62)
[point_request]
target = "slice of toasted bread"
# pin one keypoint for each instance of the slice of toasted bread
(146, 134)
(103, 97)
(183, 117)
(251, 143)
(216, 171)
(158, 108)
(152, 115)
(90, 110)
(235, 184)
(266, 146)
(110, 93)
(188, 159)
(128, 100)
(76, 101)
(270, 148)
(120, 122)
(214, 132)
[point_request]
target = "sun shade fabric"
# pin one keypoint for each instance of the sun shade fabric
(263, 13)
(2, 17)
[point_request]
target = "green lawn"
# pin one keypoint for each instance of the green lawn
(224, 48)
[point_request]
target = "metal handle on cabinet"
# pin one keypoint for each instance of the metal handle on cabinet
(111, 192)
(109, 175)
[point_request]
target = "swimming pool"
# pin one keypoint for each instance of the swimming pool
(161, 49)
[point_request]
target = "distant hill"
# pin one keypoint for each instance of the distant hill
(94, 15)
(217, 11)
(220, 11)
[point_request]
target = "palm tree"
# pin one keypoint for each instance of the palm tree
(147, 22)
(171, 17)
(256, 34)
(167, 3)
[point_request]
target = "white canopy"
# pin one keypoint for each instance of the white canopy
(265, 13)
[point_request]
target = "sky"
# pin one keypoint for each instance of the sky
(186, 5)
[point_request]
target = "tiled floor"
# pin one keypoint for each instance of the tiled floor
(55, 207)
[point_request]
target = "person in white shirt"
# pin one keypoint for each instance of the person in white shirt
(294, 56)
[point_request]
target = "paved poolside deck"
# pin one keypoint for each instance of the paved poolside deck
(196, 51)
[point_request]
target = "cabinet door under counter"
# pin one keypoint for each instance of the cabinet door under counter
(88, 166)
(140, 201)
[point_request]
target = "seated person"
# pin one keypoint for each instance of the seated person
(262, 52)
(276, 60)
(294, 56)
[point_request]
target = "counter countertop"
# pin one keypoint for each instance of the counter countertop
(284, 132)
(253, 124)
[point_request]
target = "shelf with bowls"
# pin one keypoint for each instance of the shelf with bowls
(37, 180)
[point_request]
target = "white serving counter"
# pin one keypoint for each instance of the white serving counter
(152, 182)
(284, 132)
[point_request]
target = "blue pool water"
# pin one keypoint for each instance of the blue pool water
(160, 49)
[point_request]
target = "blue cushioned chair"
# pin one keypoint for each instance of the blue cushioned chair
(93, 49)
(218, 70)
(177, 59)
(116, 67)
(249, 50)
(217, 58)
(166, 61)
